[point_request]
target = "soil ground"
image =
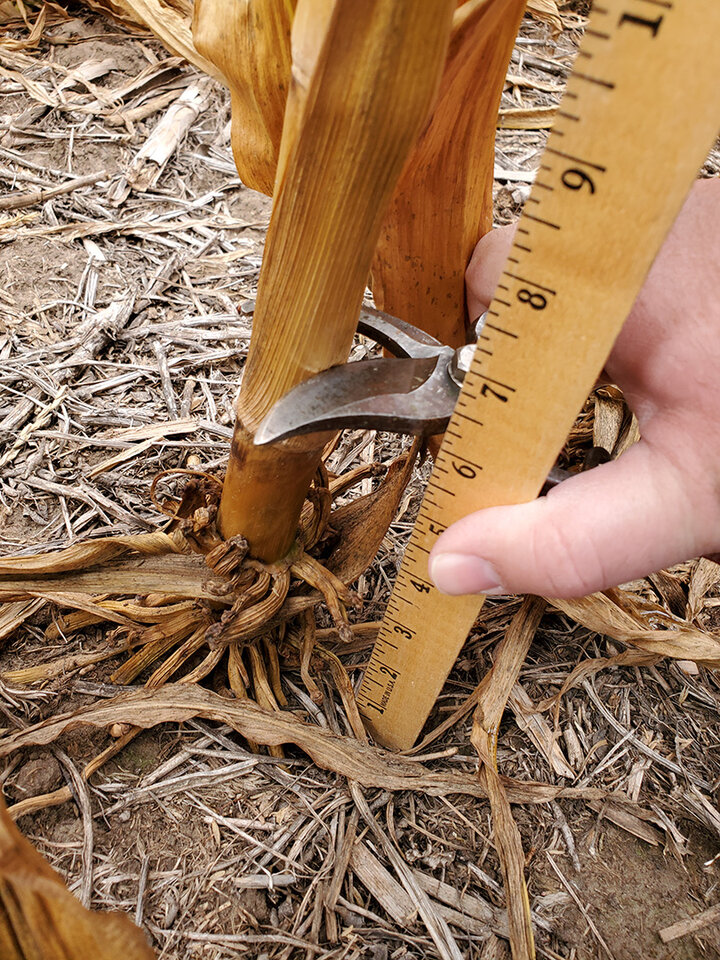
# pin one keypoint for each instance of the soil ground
(218, 852)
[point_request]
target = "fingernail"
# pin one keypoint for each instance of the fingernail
(458, 573)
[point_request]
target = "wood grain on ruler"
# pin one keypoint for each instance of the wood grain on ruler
(641, 110)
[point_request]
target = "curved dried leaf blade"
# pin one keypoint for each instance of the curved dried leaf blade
(368, 765)
(642, 624)
(42, 920)
(362, 524)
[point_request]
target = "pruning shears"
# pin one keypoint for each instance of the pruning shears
(415, 391)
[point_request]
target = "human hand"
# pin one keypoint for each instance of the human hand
(659, 503)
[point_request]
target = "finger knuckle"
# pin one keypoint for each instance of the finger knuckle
(570, 564)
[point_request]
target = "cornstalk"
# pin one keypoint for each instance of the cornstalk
(342, 151)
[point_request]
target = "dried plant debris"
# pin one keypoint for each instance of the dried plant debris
(40, 918)
(225, 825)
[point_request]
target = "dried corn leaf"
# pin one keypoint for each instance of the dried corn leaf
(610, 412)
(509, 849)
(33, 38)
(78, 601)
(546, 10)
(443, 201)
(531, 721)
(310, 26)
(627, 821)
(362, 524)
(515, 80)
(588, 668)
(186, 576)
(12, 14)
(81, 556)
(642, 624)
(36, 90)
(13, 615)
(41, 920)
(704, 576)
(180, 702)
(60, 667)
(497, 685)
(382, 885)
(495, 689)
(248, 41)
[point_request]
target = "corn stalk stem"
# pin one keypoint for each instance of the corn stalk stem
(351, 124)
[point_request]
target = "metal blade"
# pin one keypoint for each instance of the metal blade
(401, 396)
(400, 338)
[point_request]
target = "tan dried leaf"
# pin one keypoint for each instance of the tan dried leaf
(249, 43)
(546, 10)
(362, 524)
(12, 615)
(643, 624)
(81, 556)
(443, 202)
(368, 765)
(42, 920)
(494, 692)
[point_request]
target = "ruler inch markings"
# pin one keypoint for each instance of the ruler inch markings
(450, 493)
(498, 383)
(569, 156)
(459, 456)
(633, 114)
(533, 283)
(507, 333)
(545, 223)
(589, 78)
(466, 416)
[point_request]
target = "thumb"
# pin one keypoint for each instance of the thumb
(615, 523)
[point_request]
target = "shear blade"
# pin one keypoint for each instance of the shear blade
(401, 396)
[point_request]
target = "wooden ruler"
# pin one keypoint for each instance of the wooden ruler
(640, 113)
